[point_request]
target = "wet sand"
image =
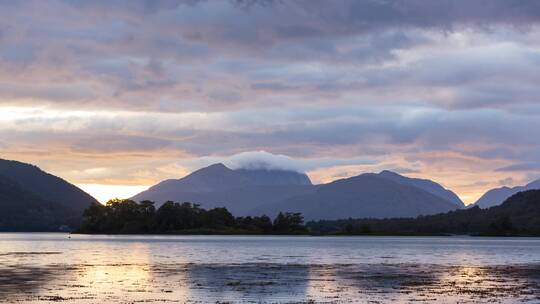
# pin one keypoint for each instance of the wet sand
(266, 283)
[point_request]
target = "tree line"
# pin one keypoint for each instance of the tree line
(129, 217)
(517, 216)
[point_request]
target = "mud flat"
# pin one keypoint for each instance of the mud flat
(59, 268)
(269, 283)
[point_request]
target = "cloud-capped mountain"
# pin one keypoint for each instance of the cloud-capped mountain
(263, 191)
(497, 196)
(31, 199)
(239, 190)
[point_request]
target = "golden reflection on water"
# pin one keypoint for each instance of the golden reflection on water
(125, 270)
(109, 277)
(323, 283)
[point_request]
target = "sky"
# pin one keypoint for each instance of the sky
(116, 96)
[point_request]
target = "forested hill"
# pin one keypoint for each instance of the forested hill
(34, 200)
(518, 215)
(46, 186)
(23, 210)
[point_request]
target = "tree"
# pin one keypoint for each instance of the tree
(94, 218)
(218, 217)
(127, 216)
(289, 223)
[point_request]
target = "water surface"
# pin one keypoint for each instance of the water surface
(51, 268)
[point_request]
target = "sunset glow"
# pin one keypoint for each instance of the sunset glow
(116, 98)
(270, 151)
(103, 193)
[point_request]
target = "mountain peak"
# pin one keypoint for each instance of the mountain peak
(216, 166)
(497, 196)
(388, 173)
(368, 195)
(424, 184)
(214, 169)
(274, 177)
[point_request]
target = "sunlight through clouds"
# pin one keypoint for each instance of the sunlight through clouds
(103, 193)
(139, 89)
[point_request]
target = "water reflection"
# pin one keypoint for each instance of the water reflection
(14, 280)
(249, 282)
(167, 272)
(270, 283)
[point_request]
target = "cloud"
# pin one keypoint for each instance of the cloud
(202, 55)
(317, 132)
(262, 160)
(506, 181)
(445, 89)
(270, 161)
(521, 167)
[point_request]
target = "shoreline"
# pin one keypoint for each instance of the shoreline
(313, 235)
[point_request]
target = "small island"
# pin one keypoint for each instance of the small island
(129, 217)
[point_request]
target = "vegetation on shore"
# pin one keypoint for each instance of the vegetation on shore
(518, 216)
(130, 217)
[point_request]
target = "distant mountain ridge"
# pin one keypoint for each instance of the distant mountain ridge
(263, 191)
(367, 195)
(497, 196)
(31, 199)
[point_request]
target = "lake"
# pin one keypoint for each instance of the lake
(55, 267)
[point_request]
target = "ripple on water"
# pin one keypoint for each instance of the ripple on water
(85, 269)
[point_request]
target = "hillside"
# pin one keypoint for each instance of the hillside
(424, 184)
(518, 215)
(366, 195)
(496, 196)
(33, 200)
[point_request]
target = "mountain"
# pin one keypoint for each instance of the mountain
(365, 196)
(259, 191)
(263, 177)
(496, 196)
(238, 190)
(33, 200)
(22, 210)
(424, 184)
